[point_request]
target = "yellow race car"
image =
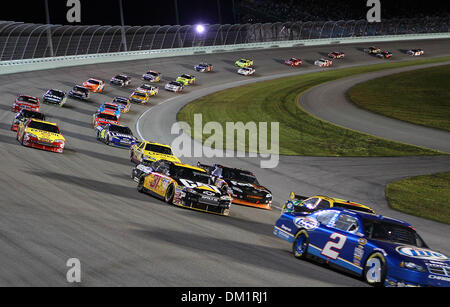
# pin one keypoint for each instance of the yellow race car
(151, 152)
(185, 186)
(42, 135)
(186, 79)
(305, 204)
(244, 63)
(140, 97)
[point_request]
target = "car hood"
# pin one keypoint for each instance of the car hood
(45, 135)
(247, 187)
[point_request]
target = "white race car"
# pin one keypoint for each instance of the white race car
(246, 71)
(323, 63)
(151, 90)
(174, 86)
(415, 52)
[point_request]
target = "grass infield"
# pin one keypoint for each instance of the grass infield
(300, 133)
(420, 97)
(423, 196)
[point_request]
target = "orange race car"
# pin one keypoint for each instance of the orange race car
(94, 85)
(242, 186)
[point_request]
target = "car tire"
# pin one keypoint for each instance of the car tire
(140, 186)
(170, 194)
(375, 270)
(300, 244)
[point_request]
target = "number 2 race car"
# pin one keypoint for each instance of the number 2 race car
(384, 251)
(26, 102)
(42, 135)
(241, 185)
(185, 186)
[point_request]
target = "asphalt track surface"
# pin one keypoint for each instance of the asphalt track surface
(83, 204)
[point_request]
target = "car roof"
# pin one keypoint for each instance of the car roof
(370, 216)
(43, 121)
(154, 143)
(190, 167)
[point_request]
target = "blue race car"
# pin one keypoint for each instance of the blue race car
(116, 135)
(110, 107)
(384, 251)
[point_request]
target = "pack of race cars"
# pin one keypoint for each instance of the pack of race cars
(341, 233)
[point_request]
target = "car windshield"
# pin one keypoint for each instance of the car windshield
(175, 83)
(120, 129)
(93, 81)
(395, 233)
(159, 149)
(180, 172)
(107, 116)
(56, 93)
(121, 77)
(111, 107)
(146, 87)
(139, 94)
(31, 114)
(27, 99)
(44, 127)
(239, 176)
(186, 76)
(120, 100)
(152, 73)
(80, 89)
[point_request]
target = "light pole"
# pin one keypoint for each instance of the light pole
(49, 30)
(219, 11)
(177, 15)
(122, 22)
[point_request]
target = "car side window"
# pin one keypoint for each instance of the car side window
(323, 204)
(141, 146)
(324, 217)
(310, 203)
(347, 223)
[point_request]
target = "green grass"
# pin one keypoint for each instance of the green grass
(300, 133)
(420, 97)
(423, 196)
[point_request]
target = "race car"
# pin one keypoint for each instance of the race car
(382, 250)
(384, 55)
(54, 96)
(141, 170)
(174, 86)
(246, 71)
(110, 107)
(152, 76)
(116, 135)
(41, 135)
(293, 62)
(120, 80)
(415, 52)
(203, 67)
(185, 186)
(336, 55)
(79, 92)
(372, 50)
(242, 185)
(244, 63)
(26, 102)
(186, 79)
(307, 205)
(140, 97)
(323, 63)
(95, 85)
(151, 152)
(123, 103)
(151, 90)
(105, 118)
(23, 116)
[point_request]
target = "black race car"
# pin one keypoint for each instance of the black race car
(25, 115)
(55, 97)
(79, 92)
(242, 185)
(121, 80)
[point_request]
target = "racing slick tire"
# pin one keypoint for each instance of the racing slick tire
(170, 194)
(375, 270)
(107, 141)
(300, 244)
(140, 186)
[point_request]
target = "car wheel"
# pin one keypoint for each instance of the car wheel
(375, 270)
(140, 186)
(170, 194)
(300, 244)
(107, 141)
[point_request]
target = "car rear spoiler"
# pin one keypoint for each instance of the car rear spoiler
(298, 197)
(208, 168)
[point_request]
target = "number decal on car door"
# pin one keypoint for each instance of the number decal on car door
(338, 245)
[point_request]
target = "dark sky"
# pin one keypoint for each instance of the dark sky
(106, 12)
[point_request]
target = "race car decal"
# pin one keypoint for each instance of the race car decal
(420, 253)
(194, 185)
(306, 223)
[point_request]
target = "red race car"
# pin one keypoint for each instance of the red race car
(384, 55)
(26, 102)
(104, 118)
(293, 62)
(336, 55)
